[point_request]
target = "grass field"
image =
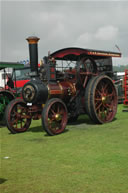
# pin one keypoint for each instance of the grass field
(87, 158)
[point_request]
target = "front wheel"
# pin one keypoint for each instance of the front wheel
(17, 118)
(54, 116)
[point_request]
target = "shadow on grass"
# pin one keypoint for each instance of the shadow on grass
(114, 119)
(66, 130)
(36, 129)
(2, 180)
(85, 119)
(81, 120)
(2, 125)
(40, 129)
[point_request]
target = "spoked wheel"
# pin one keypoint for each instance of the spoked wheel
(103, 100)
(17, 117)
(88, 94)
(54, 116)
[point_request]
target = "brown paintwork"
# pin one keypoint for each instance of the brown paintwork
(33, 39)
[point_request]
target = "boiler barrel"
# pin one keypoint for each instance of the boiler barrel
(34, 92)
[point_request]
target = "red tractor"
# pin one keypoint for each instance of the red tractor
(11, 84)
(70, 82)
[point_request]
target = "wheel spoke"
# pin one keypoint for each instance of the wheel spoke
(61, 112)
(53, 112)
(111, 94)
(14, 122)
(107, 105)
(105, 87)
(98, 106)
(98, 99)
(58, 109)
(99, 92)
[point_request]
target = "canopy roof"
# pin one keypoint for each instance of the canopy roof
(10, 65)
(74, 53)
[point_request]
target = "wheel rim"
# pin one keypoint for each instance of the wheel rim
(105, 100)
(56, 117)
(19, 121)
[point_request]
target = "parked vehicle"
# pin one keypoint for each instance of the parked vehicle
(119, 84)
(71, 81)
(126, 87)
(12, 84)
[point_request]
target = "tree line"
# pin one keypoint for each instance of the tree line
(120, 68)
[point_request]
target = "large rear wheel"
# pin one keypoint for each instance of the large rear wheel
(88, 94)
(54, 116)
(103, 100)
(17, 117)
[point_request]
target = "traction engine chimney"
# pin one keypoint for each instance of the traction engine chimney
(33, 54)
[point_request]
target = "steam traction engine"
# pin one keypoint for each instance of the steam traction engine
(70, 82)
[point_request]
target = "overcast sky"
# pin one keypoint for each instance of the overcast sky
(59, 24)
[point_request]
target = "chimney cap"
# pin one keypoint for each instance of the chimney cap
(32, 39)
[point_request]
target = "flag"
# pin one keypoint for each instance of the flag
(118, 48)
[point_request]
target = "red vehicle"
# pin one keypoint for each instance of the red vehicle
(126, 87)
(71, 82)
(21, 76)
(13, 83)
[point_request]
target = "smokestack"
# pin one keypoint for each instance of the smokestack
(33, 54)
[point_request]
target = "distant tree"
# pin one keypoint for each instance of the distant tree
(120, 68)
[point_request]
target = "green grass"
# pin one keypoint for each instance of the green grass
(87, 158)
